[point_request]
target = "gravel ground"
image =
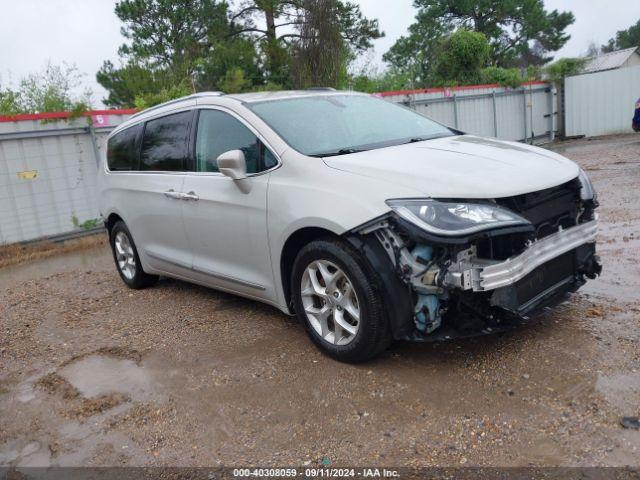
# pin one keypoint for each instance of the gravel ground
(92, 373)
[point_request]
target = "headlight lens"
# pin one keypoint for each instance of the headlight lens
(454, 218)
(587, 192)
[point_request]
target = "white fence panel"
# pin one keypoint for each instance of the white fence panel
(601, 103)
(48, 175)
(522, 114)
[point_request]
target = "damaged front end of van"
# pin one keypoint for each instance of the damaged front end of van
(459, 268)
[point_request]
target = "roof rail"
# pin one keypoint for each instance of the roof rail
(176, 100)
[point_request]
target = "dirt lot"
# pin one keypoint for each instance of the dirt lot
(92, 373)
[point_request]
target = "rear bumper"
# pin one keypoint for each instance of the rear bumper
(483, 275)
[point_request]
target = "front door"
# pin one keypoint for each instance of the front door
(227, 225)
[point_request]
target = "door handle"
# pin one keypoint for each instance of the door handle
(173, 194)
(190, 196)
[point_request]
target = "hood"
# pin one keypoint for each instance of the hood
(463, 166)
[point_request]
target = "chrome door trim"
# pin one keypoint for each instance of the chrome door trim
(227, 278)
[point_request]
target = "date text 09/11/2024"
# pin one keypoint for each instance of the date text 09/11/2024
(318, 472)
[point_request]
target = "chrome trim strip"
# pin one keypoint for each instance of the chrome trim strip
(211, 273)
(227, 278)
(477, 276)
(162, 258)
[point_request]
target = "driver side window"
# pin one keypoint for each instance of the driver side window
(219, 132)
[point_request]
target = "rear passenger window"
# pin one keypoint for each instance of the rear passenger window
(218, 132)
(122, 150)
(165, 143)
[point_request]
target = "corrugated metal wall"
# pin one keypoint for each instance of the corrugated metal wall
(488, 110)
(601, 103)
(48, 175)
(48, 165)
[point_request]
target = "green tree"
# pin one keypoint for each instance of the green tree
(125, 83)
(234, 81)
(53, 89)
(506, 77)
(415, 54)
(174, 46)
(171, 34)
(520, 32)
(624, 39)
(9, 101)
(320, 54)
(462, 55)
(279, 26)
(565, 67)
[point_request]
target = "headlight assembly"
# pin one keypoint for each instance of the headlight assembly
(454, 218)
(587, 192)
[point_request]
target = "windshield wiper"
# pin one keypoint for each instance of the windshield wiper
(342, 151)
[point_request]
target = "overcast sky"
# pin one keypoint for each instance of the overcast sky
(87, 32)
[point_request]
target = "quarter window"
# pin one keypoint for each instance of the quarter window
(218, 132)
(165, 143)
(122, 150)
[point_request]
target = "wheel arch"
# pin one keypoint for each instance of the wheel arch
(294, 243)
(111, 220)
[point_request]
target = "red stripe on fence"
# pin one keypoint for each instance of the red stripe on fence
(62, 115)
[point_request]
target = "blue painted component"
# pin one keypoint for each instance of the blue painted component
(425, 252)
(427, 308)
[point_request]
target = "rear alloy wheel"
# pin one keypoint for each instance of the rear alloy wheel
(126, 258)
(338, 298)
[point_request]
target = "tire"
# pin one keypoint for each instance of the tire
(355, 301)
(131, 273)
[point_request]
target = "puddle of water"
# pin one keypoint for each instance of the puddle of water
(26, 454)
(98, 375)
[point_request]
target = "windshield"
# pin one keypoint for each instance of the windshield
(327, 125)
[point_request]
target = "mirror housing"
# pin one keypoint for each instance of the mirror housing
(233, 164)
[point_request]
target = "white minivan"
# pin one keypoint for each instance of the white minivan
(367, 220)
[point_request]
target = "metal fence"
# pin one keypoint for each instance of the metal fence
(48, 162)
(601, 103)
(526, 114)
(48, 167)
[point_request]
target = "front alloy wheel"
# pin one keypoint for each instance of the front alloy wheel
(330, 302)
(339, 299)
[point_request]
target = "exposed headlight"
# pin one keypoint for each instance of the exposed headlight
(587, 192)
(454, 218)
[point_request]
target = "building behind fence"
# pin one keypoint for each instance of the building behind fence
(601, 103)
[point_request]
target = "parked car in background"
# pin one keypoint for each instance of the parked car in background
(368, 221)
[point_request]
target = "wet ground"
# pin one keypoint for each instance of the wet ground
(92, 373)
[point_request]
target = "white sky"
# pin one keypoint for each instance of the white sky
(87, 32)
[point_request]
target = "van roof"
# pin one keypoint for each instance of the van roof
(214, 98)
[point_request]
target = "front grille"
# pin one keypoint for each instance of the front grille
(547, 210)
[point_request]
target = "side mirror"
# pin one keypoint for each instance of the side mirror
(233, 164)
